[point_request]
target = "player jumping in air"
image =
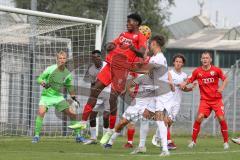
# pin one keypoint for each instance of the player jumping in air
(146, 31)
(122, 53)
(208, 77)
(54, 79)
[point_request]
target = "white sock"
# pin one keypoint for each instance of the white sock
(110, 130)
(113, 138)
(144, 127)
(105, 130)
(163, 134)
(93, 132)
(130, 142)
(157, 134)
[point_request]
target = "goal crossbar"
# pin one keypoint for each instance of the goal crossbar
(98, 23)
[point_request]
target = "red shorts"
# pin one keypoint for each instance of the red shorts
(115, 73)
(206, 107)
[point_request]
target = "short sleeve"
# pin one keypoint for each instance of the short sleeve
(142, 41)
(193, 77)
(68, 82)
(116, 41)
(221, 75)
(45, 75)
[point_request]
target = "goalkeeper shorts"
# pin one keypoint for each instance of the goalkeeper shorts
(58, 102)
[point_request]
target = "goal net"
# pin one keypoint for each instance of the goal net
(29, 41)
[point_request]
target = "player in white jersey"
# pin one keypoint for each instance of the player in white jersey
(158, 70)
(177, 77)
(102, 104)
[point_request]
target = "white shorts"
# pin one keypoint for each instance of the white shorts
(173, 111)
(164, 102)
(134, 112)
(102, 105)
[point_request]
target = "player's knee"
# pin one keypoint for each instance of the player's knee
(159, 116)
(200, 118)
(221, 118)
(106, 115)
(41, 111)
(93, 122)
(71, 113)
(131, 126)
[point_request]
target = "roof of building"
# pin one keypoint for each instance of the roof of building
(233, 34)
(206, 39)
(189, 26)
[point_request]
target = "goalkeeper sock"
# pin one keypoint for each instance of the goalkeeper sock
(130, 134)
(38, 125)
(86, 111)
(76, 131)
(196, 130)
(224, 130)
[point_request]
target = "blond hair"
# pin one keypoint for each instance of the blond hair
(61, 53)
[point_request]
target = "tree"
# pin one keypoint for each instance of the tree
(153, 12)
(77, 8)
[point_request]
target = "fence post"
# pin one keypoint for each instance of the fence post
(235, 94)
(193, 107)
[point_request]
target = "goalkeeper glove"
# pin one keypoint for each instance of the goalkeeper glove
(45, 85)
(75, 99)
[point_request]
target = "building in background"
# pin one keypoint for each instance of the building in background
(193, 36)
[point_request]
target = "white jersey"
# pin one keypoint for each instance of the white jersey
(160, 75)
(178, 78)
(161, 68)
(93, 72)
(145, 86)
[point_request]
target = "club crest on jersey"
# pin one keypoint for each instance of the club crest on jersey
(212, 73)
(135, 36)
(199, 75)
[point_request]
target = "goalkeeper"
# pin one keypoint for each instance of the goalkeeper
(54, 80)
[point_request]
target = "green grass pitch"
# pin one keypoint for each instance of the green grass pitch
(21, 148)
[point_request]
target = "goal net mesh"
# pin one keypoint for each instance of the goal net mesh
(28, 45)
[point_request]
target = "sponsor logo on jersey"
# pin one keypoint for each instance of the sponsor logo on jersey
(135, 36)
(208, 80)
(125, 40)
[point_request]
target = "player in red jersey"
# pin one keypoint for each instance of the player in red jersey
(211, 96)
(122, 53)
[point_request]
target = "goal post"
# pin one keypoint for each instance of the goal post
(29, 41)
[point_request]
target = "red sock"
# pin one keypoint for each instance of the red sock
(196, 130)
(168, 134)
(86, 111)
(130, 134)
(112, 121)
(224, 130)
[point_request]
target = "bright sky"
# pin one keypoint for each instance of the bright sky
(228, 9)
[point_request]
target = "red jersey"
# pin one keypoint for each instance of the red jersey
(208, 82)
(123, 42)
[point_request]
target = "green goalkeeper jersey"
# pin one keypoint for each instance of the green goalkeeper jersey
(56, 79)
